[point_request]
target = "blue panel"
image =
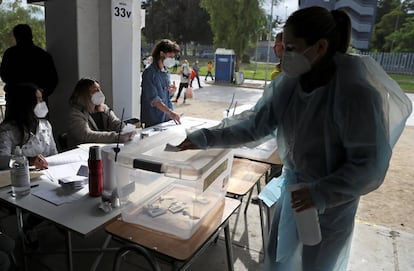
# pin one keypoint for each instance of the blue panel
(224, 68)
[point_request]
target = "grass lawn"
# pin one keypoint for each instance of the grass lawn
(257, 71)
(406, 81)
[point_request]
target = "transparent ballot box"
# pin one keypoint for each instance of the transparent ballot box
(171, 192)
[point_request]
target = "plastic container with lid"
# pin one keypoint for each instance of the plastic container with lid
(171, 192)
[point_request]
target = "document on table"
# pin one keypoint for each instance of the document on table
(59, 195)
(63, 159)
(128, 129)
(60, 171)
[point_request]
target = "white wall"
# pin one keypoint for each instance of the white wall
(126, 44)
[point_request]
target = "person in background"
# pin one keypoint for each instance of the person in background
(90, 119)
(156, 106)
(25, 125)
(209, 69)
(185, 73)
(176, 63)
(278, 50)
(147, 61)
(316, 106)
(196, 70)
(28, 63)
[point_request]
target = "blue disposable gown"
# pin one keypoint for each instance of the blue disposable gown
(336, 139)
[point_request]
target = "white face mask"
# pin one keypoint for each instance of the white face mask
(98, 98)
(41, 110)
(295, 64)
(169, 62)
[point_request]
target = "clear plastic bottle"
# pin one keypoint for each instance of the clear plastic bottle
(19, 173)
(307, 222)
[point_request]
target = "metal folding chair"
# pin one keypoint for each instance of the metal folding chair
(139, 250)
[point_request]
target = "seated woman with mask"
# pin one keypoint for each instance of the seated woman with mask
(25, 125)
(90, 119)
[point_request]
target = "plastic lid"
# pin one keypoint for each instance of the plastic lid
(149, 154)
(95, 153)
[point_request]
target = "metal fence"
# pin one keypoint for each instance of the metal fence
(402, 63)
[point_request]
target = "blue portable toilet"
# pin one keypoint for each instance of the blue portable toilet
(224, 65)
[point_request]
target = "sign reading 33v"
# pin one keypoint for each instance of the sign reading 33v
(122, 10)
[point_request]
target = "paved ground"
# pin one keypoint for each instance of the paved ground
(374, 247)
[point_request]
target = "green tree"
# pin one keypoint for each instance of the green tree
(234, 24)
(384, 23)
(403, 39)
(384, 7)
(391, 17)
(15, 13)
(181, 20)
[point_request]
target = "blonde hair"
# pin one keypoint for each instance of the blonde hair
(80, 96)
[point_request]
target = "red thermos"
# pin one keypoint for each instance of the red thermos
(95, 171)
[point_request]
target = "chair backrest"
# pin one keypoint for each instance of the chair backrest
(139, 250)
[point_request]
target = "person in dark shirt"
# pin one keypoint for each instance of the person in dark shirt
(27, 63)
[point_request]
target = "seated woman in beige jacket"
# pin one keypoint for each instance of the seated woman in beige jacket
(90, 119)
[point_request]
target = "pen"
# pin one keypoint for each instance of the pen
(32, 186)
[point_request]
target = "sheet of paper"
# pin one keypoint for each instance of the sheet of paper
(68, 157)
(128, 128)
(271, 192)
(59, 196)
(171, 148)
(60, 171)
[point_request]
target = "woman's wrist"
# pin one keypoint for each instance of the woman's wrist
(169, 112)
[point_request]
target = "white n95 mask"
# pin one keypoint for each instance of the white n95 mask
(168, 62)
(41, 110)
(295, 64)
(98, 98)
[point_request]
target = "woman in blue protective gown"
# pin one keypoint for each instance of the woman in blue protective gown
(336, 118)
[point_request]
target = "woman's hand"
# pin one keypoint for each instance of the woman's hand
(172, 88)
(187, 145)
(301, 199)
(127, 136)
(100, 108)
(39, 162)
(174, 116)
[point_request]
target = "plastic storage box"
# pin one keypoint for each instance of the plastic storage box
(171, 192)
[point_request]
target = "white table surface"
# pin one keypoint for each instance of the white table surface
(81, 216)
(260, 153)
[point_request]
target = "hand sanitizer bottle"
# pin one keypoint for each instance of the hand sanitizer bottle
(19, 173)
(307, 222)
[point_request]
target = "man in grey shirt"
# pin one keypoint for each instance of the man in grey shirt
(196, 69)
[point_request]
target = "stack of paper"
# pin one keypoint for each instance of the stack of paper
(73, 182)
